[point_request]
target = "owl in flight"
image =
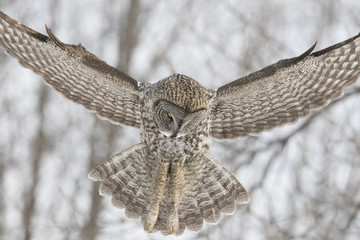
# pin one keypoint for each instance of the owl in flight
(170, 180)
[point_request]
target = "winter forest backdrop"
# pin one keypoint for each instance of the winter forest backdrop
(304, 179)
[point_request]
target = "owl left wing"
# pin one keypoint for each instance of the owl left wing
(74, 72)
(285, 91)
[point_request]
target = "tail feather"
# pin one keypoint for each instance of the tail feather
(182, 224)
(124, 180)
(194, 219)
(228, 182)
(120, 199)
(130, 198)
(219, 191)
(209, 207)
(136, 205)
(210, 189)
(117, 163)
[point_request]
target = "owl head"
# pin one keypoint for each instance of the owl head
(182, 103)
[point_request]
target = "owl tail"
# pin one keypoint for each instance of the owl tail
(123, 178)
(210, 190)
(219, 191)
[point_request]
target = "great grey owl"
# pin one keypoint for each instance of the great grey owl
(169, 180)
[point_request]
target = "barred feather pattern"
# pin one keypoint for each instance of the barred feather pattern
(124, 178)
(207, 195)
(74, 72)
(285, 91)
(170, 180)
(210, 189)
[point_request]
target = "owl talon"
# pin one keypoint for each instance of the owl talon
(172, 225)
(151, 219)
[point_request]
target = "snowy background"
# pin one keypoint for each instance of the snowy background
(304, 179)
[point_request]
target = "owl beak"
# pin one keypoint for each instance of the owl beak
(174, 127)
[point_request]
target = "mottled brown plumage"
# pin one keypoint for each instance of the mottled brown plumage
(74, 72)
(285, 91)
(169, 180)
(183, 92)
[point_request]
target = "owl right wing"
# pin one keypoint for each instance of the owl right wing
(285, 91)
(74, 72)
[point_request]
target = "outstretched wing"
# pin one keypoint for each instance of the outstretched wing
(74, 72)
(285, 91)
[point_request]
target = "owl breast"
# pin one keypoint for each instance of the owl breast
(166, 148)
(170, 148)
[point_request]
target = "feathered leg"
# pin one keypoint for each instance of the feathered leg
(159, 184)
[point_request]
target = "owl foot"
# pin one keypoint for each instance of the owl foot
(151, 218)
(172, 225)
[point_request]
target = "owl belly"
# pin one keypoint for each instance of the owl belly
(167, 170)
(166, 148)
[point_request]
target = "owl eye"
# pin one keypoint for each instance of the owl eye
(169, 115)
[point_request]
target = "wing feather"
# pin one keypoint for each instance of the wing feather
(285, 91)
(74, 72)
